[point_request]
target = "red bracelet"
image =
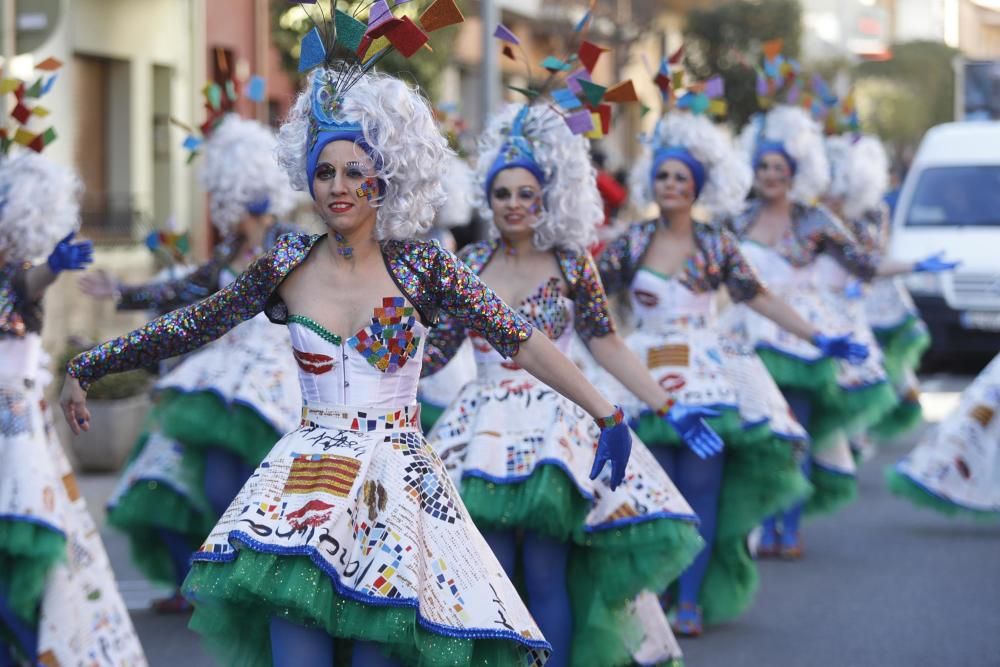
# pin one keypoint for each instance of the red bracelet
(610, 422)
(665, 408)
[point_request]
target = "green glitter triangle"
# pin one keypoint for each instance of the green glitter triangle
(350, 31)
(592, 91)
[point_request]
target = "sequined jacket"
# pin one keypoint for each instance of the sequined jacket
(592, 318)
(19, 315)
(167, 295)
(814, 231)
(430, 277)
(871, 229)
(717, 262)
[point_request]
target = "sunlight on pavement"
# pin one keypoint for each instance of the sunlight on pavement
(938, 404)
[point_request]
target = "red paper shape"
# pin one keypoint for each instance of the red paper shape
(441, 14)
(384, 28)
(21, 113)
(37, 144)
(663, 82)
(589, 54)
(677, 55)
(772, 48)
(508, 51)
(604, 111)
(407, 37)
(50, 64)
(623, 92)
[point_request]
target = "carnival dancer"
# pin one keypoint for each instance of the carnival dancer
(59, 603)
(955, 470)
(859, 169)
(350, 527)
(782, 234)
(221, 410)
(672, 268)
(519, 451)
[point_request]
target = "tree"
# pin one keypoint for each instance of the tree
(903, 97)
(289, 24)
(725, 40)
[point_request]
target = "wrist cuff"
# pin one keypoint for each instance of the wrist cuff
(610, 422)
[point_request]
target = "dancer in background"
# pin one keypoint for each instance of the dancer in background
(954, 470)
(221, 410)
(350, 528)
(672, 269)
(520, 451)
(59, 603)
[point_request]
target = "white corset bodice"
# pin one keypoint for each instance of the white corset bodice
(378, 367)
(661, 301)
(775, 271)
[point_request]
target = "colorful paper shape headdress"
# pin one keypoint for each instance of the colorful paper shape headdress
(777, 77)
(345, 48)
(27, 107)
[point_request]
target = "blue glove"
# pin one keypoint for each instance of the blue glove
(841, 347)
(689, 422)
(934, 264)
(615, 446)
(71, 256)
(853, 290)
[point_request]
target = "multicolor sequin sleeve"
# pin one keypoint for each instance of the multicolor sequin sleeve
(592, 312)
(189, 328)
(830, 236)
(615, 266)
(167, 295)
(739, 276)
(18, 314)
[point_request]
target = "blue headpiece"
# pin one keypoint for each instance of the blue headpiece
(681, 154)
(324, 128)
(259, 206)
(765, 147)
(516, 151)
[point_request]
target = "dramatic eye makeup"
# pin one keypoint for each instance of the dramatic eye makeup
(525, 194)
(355, 169)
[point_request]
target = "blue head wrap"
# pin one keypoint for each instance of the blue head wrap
(683, 155)
(515, 152)
(325, 129)
(765, 147)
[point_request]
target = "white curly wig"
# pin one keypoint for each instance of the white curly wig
(399, 126)
(240, 169)
(801, 136)
(728, 176)
(39, 205)
(572, 206)
(457, 209)
(859, 171)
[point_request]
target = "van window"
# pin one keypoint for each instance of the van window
(955, 196)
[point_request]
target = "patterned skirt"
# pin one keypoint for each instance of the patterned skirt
(54, 571)
(352, 525)
(522, 454)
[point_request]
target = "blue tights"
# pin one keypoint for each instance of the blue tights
(790, 519)
(545, 564)
(294, 645)
(179, 548)
(25, 635)
(700, 482)
(225, 475)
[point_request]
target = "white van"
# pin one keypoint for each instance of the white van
(950, 201)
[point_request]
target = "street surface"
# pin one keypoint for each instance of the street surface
(882, 584)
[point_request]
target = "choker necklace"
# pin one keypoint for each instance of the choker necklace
(508, 249)
(344, 250)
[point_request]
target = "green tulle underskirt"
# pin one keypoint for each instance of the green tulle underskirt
(903, 419)
(904, 487)
(831, 491)
(903, 346)
(202, 419)
(234, 602)
(607, 568)
(834, 409)
(28, 551)
(762, 476)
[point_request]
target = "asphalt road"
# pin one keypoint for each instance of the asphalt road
(883, 584)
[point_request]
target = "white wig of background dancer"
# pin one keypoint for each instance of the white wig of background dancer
(728, 176)
(404, 141)
(39, 205)
(859, 170)
(240, 173)
(571, 203)
(458, 182)
(801, 138)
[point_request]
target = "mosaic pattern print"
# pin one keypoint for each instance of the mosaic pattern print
(380, 511)
(83, 620)
(389, 342)
(252, 365)
(960, 461)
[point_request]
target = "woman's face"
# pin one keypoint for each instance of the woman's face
(344, 187)
(773, 177)
(673, 187)
(516, 201)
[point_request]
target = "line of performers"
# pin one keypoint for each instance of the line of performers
(583, 479)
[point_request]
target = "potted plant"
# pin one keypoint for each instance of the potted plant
(118, 407)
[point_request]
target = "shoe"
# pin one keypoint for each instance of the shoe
(175, 604)
(768, 547)
(688, 621)
(792, 550)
